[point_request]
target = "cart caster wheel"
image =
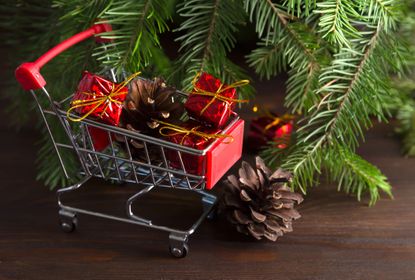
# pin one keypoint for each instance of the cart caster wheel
(179, 253)
(68, 221)
(69, 226)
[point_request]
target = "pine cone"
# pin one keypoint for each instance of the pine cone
(136, 148)
(260, 203)
(150, 100)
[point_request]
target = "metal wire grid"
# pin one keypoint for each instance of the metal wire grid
(119, 165)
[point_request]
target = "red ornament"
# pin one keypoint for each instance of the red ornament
(212, 102)
(270, 128)
(101, 100)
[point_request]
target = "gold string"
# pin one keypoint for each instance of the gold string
(217, 94)
(99, 100)
(181, 130)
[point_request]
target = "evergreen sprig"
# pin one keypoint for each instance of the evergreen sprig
(406, 118)
(207, 35)
(136, 28)
(352, 91)
(404, 86)
(287, 42)
(351, 84)
(336, 21)
(384, 12)
(357, 176)
(300, 7)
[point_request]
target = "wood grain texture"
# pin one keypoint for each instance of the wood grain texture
(337, 237)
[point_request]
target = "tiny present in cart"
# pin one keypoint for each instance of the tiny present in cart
(121, 129)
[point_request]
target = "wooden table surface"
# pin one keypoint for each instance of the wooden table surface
(337, 237)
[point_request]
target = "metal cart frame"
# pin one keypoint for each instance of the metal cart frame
(114, 163)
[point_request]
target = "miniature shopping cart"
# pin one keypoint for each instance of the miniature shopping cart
(119, 166)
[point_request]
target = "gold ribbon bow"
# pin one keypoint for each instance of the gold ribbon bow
(217, 94)
(99, 100)
(176, 130)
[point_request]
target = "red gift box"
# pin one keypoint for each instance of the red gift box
(212, 102)
(186, 134)
(99, 99)
(221, 155)
(270, 128)
(99, 138)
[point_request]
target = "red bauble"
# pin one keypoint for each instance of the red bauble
(270, 128)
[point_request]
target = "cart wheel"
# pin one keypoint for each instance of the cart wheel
(68, 220)
(179, 253)
(69, 226)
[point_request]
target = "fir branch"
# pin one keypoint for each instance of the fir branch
(300, 8)
(336, 21)
(331, 86)
(136, 26)
(323, 124)
(208, 35)
(301, 86)
(293, 43)
(349, 91)
(268, 60)
(207, 52)
(233, 72)
(356, 176)
(406, 128)
(270, 18)
(384, 12)
(404, 86)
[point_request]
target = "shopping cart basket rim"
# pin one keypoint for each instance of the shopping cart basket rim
(144, 137)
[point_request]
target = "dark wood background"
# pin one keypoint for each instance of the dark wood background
(337, 237)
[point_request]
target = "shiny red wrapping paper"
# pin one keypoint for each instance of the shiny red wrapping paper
(217, 112)
(193, 164)
(100, 100)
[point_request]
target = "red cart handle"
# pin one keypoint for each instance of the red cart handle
(28, 75)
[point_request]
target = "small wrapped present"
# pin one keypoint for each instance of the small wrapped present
(101, 100)
(98, 98)
(193, 135)
(212, 102)
(269, 128)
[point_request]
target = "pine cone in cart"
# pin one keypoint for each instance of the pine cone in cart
(147, 101)
(137, 148)
(259, 203)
